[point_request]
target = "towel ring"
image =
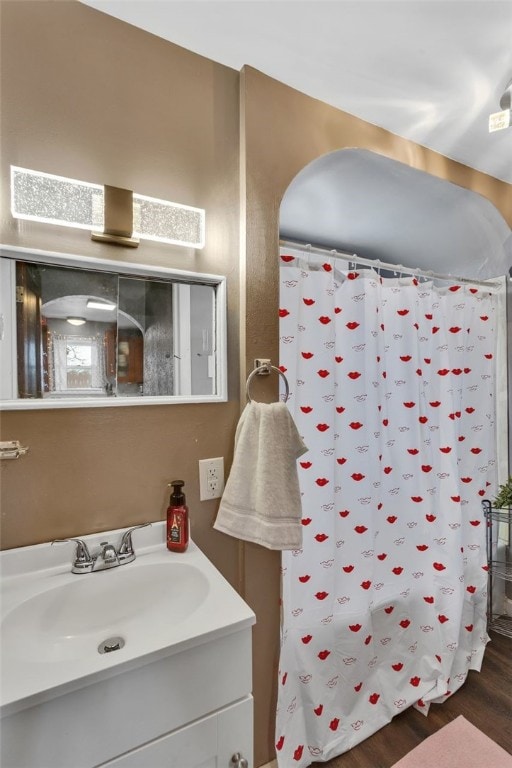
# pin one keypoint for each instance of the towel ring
(266, 369)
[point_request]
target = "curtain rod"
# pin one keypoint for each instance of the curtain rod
(377, 264)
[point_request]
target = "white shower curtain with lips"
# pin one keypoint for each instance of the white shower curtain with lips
(384, 606)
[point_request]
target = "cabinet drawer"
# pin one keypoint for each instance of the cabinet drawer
(207, 743)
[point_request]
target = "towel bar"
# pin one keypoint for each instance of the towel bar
(266, 369)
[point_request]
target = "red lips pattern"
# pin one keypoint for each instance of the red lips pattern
(376, 469)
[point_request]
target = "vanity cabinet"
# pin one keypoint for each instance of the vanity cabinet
(192, 709)
(175, 694)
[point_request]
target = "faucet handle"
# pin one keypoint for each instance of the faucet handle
(82, 555)
(126, 548)
(108, 553)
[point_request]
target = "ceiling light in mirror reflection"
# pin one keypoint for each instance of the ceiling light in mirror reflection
(92, 304)
(76, 320)
(52, 199)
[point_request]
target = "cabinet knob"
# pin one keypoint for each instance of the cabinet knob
(237, 761)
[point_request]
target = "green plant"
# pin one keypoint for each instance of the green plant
(504, 497)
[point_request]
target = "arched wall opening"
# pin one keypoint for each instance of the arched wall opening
(359, 201)
(345, 226)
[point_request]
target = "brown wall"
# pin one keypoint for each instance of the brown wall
(282, 131)
(89, 97)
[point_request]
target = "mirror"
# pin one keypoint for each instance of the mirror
(82, 332)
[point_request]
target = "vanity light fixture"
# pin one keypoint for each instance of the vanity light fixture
(93, 304)
(76, 320)
(111, 214)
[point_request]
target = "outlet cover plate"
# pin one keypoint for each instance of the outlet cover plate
(211, 478)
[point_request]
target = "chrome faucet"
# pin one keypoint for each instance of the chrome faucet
(108, 554)
(106, 557)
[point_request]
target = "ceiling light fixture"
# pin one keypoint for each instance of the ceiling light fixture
(111, 214)
(93, 304)
(503, 119)
(76, 320)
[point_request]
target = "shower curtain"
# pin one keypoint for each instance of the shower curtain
(384, 606)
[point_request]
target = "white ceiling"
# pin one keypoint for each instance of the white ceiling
(428, 70)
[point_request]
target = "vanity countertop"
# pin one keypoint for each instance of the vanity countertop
(52, 621)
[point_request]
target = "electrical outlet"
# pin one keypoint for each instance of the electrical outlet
(211, 478)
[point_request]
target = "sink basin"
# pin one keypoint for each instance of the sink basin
(54, 622)
(68, 620)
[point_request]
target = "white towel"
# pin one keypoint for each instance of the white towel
(261, 501)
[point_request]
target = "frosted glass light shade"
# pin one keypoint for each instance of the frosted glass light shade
(37, 196)
(44, 197)
(167, 222)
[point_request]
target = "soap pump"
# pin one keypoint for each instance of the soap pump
(177, 519)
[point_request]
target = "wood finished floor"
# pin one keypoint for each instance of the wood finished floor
(485, 700)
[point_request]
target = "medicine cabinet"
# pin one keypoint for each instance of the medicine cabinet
(77, 331)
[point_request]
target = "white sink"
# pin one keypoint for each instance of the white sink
(68, 621)
(53, 621)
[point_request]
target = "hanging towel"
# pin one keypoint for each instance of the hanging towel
(261, 502)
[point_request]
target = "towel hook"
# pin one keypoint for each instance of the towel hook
(264, 369)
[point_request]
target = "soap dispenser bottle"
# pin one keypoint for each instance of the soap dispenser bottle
(177, 519)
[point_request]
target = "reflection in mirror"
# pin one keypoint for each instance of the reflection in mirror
(85, 333)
